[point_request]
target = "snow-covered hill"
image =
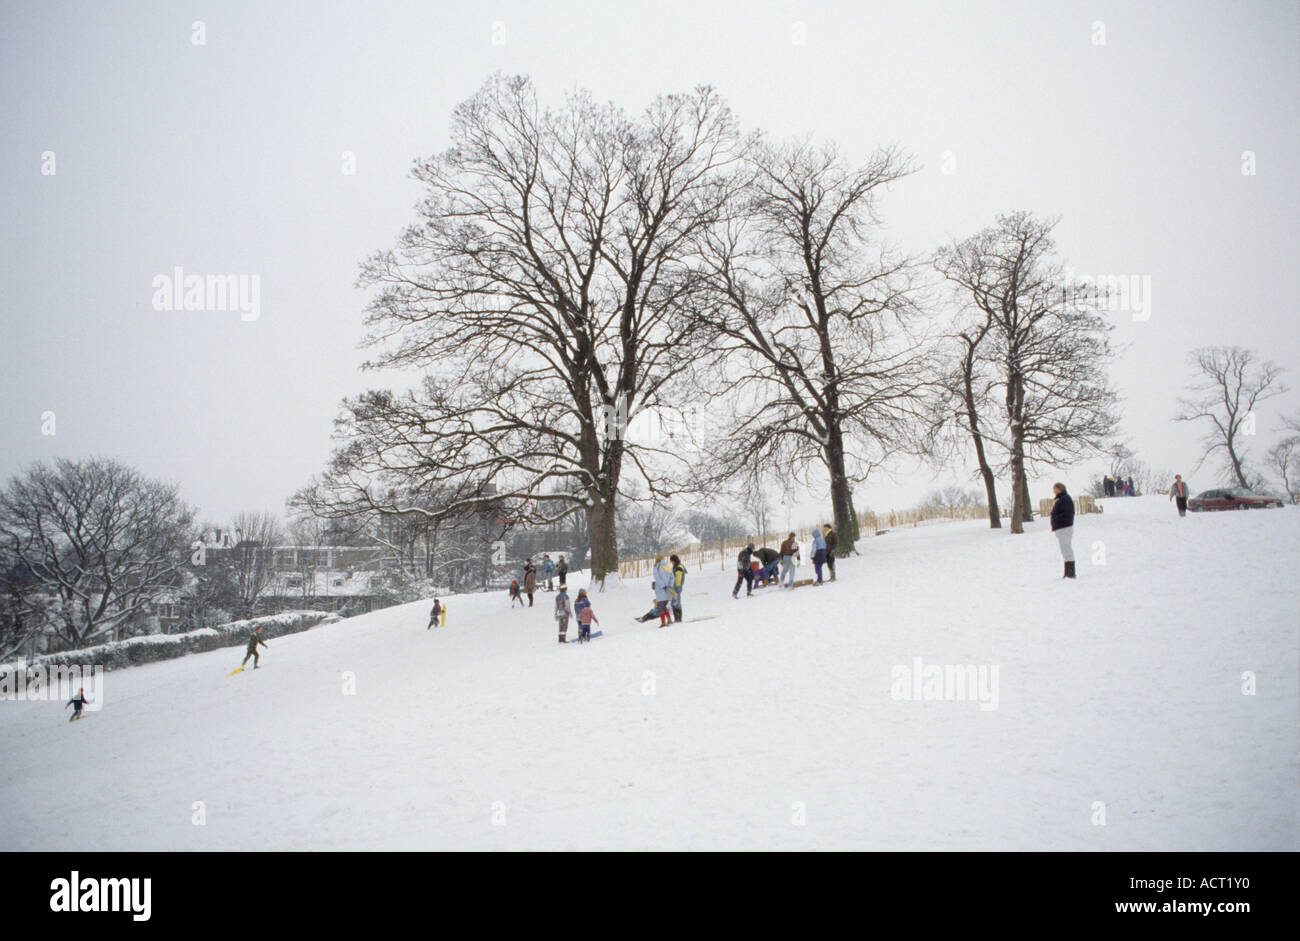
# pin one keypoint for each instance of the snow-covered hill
(779, 723)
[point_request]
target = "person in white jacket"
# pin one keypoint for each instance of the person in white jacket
(663, 587)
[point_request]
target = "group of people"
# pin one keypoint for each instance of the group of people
(757, 567)
(550, 571)
(1118, 487)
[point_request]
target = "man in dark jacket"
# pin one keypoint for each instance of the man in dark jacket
(562, 570)
(770, 559)
(831, 543)
(1063, 526)
(744, 571)
(254, 639)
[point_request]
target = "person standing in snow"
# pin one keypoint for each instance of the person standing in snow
(254, 639)
(76, 702)
(1178, 492)
(679, 582)
(514, 593)
(435, 614)
(562, 613)
(530, 580)
(585, 616)
(662, 583)
(548, 572)
(831, 543)
(819, 553)
(1063, 526)
(744, 573)
(789, 555)
(562, 570)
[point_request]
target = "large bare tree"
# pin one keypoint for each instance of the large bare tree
(253, 557)
(96, 539)
(1050, 343)
(1229, 382)
(805, 318)
(544, 292)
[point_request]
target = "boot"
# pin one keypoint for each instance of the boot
(1069, 570)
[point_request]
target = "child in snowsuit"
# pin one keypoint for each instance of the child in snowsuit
(435, 614)
(562, 613)
(515, 594)
(254, 639)
(76, 702)
(582, 608)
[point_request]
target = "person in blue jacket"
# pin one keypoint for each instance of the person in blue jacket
(1063, 526)
(819, 553)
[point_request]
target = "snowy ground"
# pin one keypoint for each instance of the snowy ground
(771, 726)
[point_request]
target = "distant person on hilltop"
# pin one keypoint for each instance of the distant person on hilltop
(1132, 492)
(76, 702)
(254, 639)
(548, 572)
(562, 569)
(1063, 526)
(435, 614)
(1178, 493)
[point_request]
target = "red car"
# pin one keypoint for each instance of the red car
(1231, 498)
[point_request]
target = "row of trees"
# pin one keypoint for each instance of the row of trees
(574, 268)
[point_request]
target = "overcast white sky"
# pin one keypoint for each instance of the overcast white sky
(225, 158)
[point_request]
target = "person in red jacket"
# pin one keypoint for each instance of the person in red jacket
(1178, 492)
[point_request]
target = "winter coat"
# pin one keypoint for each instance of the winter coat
(679, 577)
(767, 555)
(562, 609)
(831, 542)
(819, 541)
(514, 589)
(548, 568)
(530, 580)
(790, 547)
(1062, 511)
(253, 641)
(563, 567)
(743, 560)
(586, 615)
(1179, 489)
(663, 582)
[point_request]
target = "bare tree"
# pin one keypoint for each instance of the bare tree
(99, 539)
(253, 558)
(544, 291)
(1051, 345)
(1229, 383)
(961, 396)
(804, 325)
(1284, 460)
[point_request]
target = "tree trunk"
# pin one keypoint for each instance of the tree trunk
(846, 521)
(986, 472)
(604, 538)
(1026, 501)
(1019, 488)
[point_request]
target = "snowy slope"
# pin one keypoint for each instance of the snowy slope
(770, 726)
